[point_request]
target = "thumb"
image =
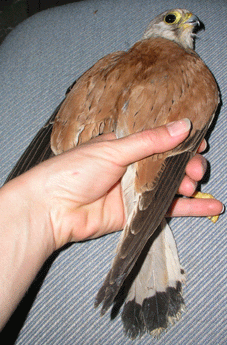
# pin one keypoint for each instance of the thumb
(146, 143)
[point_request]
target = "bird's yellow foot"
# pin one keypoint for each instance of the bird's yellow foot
(200, 195)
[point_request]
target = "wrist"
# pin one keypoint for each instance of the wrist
(34, 206)
(26, 243)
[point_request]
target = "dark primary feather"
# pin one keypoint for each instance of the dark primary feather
(38, 150)
(149, 215)
(155, 205)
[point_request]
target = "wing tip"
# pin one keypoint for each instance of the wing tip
(108, 292)
(105, 296)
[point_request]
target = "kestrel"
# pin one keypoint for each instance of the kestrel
(160, 79)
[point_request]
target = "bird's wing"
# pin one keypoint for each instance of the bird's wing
(90, 107)
(38, 150)
(174, 84)
(68, 120)
(155, 82)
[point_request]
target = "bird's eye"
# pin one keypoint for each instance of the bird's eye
(170, 18)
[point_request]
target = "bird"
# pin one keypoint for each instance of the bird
(160, 79)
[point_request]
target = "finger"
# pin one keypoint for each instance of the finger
(184, 207)
(196, 167)
(202, 146)
(143, 144)
(187, 187)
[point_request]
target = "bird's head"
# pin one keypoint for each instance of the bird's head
(178, 25)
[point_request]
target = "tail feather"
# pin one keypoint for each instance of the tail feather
(155, 296)
(141, 226)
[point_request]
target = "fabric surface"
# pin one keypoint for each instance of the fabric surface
(39, 60)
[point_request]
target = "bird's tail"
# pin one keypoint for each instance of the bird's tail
(155, 296)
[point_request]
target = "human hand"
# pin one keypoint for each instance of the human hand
(75, 196)
(81, 192)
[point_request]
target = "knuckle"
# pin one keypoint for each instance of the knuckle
(150, 138)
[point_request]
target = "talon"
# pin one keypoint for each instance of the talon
(200, 195)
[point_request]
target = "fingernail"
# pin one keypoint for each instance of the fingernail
(204, 165)
(223, 209)
(178, 127)
(204, 145)
(194, 185)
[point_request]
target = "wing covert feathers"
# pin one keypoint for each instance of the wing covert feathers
(126, 92)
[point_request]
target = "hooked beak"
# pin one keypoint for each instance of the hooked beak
(194, 20)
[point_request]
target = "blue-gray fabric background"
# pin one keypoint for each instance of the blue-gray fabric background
(39, 60)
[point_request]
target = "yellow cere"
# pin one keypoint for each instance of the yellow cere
(186, 17)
